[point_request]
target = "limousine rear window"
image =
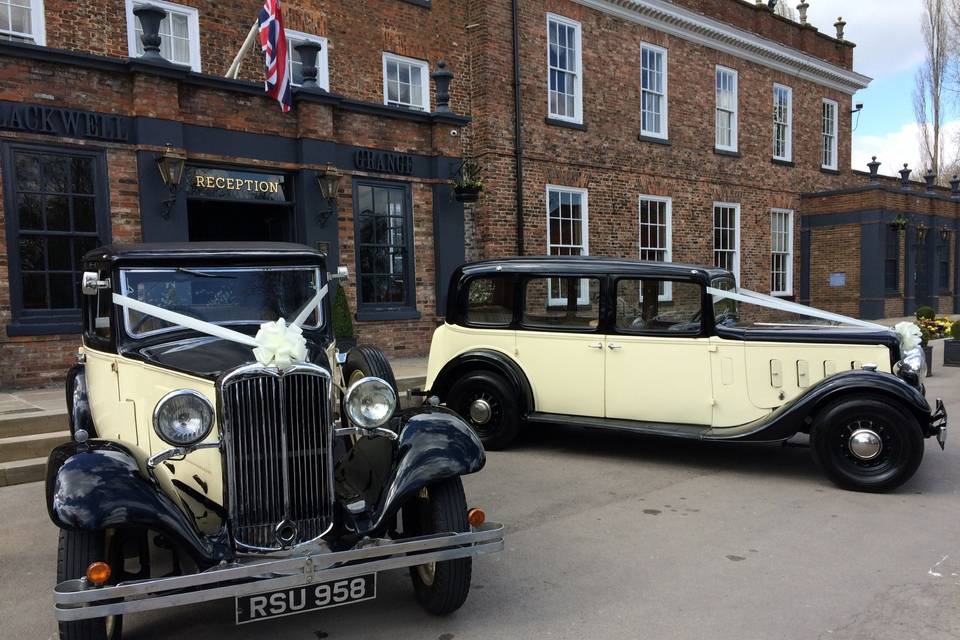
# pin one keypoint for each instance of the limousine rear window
(562, 303)
(489, 301)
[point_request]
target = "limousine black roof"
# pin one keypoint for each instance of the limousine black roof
(589, 265)
(183, 253)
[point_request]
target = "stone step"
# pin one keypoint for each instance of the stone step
(33, 422)
(22, 471)
(31, 446)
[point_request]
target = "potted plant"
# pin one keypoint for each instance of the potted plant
(342, 322)
(899, 223)
(951, 348)
(468, 184)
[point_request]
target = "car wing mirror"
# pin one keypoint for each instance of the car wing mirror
(91, 283)
(342, 274)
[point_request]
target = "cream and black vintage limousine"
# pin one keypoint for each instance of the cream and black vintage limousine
(677, 350)
(209, 461)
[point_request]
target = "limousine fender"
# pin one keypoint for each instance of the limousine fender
(485, 360)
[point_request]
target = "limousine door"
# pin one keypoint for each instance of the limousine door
(559, 345)
(657, 365)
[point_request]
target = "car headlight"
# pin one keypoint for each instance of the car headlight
(183, 417)
(370, 402)
(915, 361)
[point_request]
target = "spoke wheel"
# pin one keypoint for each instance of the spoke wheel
(867, 445)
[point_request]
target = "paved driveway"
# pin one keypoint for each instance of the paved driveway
(617, 536)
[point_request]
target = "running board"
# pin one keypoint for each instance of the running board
(689, 431)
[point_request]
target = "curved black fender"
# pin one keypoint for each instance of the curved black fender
(797, 415)
(78, 406)
(101, 484)
(433, 444)
(484, 360)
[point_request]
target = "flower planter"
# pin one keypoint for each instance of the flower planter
(466, 194)
(928, 354)
(951, 353)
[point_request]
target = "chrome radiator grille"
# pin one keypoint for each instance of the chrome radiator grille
(278, 448)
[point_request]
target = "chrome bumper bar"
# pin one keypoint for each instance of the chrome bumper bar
(78, 600)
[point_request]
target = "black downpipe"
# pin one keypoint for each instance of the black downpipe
(517, 132)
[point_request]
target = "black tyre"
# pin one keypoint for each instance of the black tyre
(488, 404)
(440, 587)
(77, 551)
(867, 444)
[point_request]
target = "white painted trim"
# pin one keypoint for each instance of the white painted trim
(665, 134)
(695, 27)
(584, 228)
(425, 77)
(193, 26)
(736, 207)
(735, 124)
(836, 135)
(323, 59)
(578, 83)
(668, 249)
(788, 157)
(38, 31)
(789, 275)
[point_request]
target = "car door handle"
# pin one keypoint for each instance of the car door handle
(613, 346)
(598, 345)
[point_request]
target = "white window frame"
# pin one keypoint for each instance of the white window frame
(38, 27)
(577, 118)
(788, 124)
(713, 226)
(193, 28)
(424, 80)
(833, 134)
(664, 96)
(668, 236)
(323, 60)
(788, 274)
(735, 119)
(584, 235)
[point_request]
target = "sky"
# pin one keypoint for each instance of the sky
(889, 50)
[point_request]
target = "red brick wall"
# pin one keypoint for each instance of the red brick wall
(839, 246)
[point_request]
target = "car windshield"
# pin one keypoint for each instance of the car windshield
(249, 295)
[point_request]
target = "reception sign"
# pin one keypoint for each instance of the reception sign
(228, 184)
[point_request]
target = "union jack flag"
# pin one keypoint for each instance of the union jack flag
(273, 42)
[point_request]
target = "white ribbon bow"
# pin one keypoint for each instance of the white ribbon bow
(910, 335)
(280, 344)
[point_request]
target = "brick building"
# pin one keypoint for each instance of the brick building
(692, 130)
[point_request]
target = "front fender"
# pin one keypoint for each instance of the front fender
(101, 484)
(433, 444)
(796, 416)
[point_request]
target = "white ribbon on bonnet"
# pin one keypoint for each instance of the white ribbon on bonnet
(277, 343)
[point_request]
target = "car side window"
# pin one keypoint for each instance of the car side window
(562, 303)
(490, 301)
(652, 306)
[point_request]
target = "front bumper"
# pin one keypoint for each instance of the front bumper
(77, 600)
(938, 423)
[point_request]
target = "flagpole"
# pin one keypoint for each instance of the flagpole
(244, 49)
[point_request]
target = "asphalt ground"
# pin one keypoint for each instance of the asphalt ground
(617, 536)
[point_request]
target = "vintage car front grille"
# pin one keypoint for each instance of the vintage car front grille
(278, 442)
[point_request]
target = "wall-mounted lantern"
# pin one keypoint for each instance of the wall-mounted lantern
(945, 233)
(170, 163)
(922, 230)
(328, 180)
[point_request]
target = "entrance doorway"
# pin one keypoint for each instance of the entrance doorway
(921, 276)
(210, 220)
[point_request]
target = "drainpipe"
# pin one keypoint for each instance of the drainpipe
(517, 132)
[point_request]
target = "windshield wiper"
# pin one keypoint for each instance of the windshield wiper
(204, 274)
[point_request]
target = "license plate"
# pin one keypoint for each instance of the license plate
(286, 602)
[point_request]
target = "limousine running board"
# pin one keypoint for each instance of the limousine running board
(688, 431)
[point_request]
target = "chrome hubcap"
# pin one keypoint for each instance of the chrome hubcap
(480, 411)
(865, 444)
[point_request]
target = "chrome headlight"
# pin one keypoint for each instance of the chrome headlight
(183, 417)
(914, 361)
(370, 402)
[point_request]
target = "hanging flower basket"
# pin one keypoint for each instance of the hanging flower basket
(899, 223)
(467, 184)
(467, 193)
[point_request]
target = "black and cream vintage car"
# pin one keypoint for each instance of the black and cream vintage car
(678, 350)
(222, 447)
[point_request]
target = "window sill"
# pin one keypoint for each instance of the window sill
(377, 315)
(787, 297)
(729, 154)
(654, 140)
(566, 124)
(18, 329)
(420, 3)
(827, 170)
(892, 294)
(782, 163)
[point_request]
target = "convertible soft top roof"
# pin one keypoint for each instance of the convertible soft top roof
(193, 252)
(590, 265)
